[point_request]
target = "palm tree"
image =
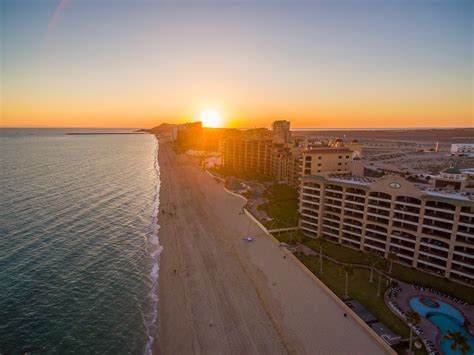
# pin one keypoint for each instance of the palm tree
(459, 342)
(347, 270)
(391, 256)
(322, 245)
(412, 318)
(374, 258)
(382, 264)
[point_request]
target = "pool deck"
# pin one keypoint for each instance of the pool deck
(430, 331)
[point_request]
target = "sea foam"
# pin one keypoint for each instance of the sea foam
(152, 238)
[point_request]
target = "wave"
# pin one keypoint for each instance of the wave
(152, 238)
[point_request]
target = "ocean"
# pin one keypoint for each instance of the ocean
(79, 249)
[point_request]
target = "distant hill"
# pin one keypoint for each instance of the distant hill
(162, 128)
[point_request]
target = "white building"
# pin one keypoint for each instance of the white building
(465, 148)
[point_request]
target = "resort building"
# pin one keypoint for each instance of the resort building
(337, 160)
(451, 179)
(429, 229)
(266, 152)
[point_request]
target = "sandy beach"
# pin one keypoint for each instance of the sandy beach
(221, 295)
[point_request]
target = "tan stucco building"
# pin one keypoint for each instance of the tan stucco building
(428, 229)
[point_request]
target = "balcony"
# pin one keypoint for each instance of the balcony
(334, 188)
(438, 215)
(409, 201)
(378, 212)
(440, 206)
(377, 229)
(464, 238)
(328, 229)
(380, 196)
(440, 226)
(334, 195)
(355, 192)
(375, 219)
(380, 204)
(408, 226)
(464, 251)
(332, 202)
(353, 207)
(310, 198)
(312, 221)
(407, 210)
(331, 209)
(311, 205)
(331, 223)
(355, 199)
(309, 213)
(407, 246)
(463, 270)
(404, 236)
(311, 192)
(352, 214)
(408, 252)
(463, 261)
(466, 230)
(436, 233)
(432, 253)
(376, 236)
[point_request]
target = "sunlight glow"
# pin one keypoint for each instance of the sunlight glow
(211, 118)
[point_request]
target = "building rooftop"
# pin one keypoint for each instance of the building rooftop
(426, 189)
(327, 151)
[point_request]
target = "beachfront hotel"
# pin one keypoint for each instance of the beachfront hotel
(428, 228)
(270, 153)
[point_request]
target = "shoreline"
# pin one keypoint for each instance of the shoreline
(218, 294)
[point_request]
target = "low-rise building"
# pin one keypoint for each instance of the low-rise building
(429, 229)
(462, 149)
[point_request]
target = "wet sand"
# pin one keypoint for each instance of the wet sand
(221, 295)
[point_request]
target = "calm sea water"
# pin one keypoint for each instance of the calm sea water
(78, 244)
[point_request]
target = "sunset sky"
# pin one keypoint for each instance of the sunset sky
(353, 63)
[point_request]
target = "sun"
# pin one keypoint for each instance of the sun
(211, 118)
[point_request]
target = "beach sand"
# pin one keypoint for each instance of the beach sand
(221, 295)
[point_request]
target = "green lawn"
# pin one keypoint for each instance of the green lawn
(401, 272)
(282, 206)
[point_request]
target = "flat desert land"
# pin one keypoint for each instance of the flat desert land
(221, 295)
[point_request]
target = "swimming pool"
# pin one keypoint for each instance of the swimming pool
(445, 317)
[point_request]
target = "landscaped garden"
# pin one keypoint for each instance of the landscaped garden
(282, 206)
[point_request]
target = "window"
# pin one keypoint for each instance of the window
(345, 163)
(307, 158)
(319, 171)
(319, 158)
(340, 156)
(319, 164)
(307, 171)
(338, 169)
(347, 156)
(338, 163)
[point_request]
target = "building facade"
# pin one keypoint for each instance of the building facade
(271, 153)
(466, 148)
(428, 229)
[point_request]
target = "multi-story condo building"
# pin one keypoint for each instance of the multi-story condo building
(266, 152)
(429, 229)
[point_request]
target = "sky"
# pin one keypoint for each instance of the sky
(321, 64)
